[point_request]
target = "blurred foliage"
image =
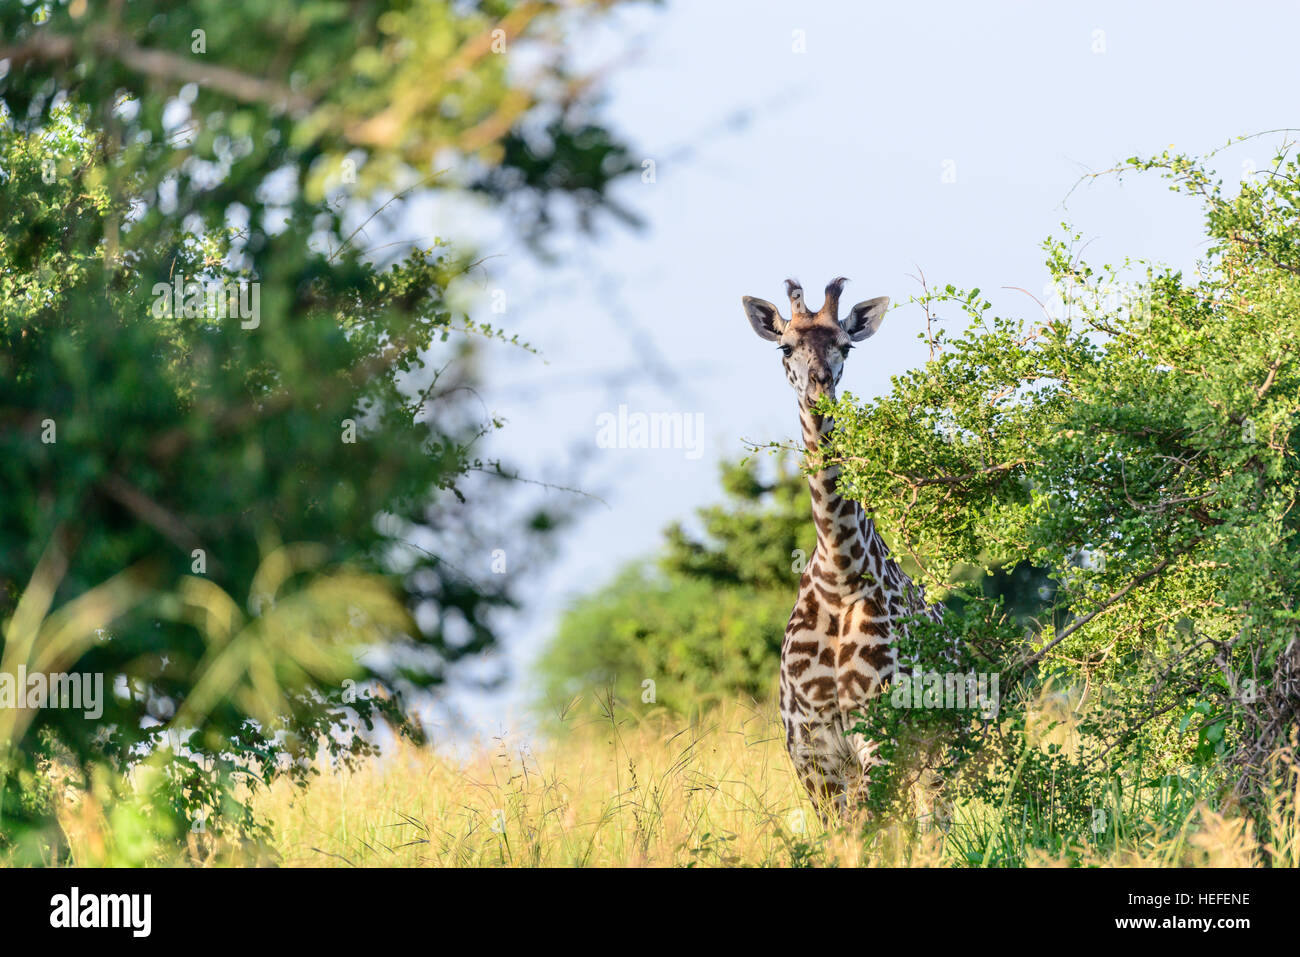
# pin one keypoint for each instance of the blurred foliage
(699, 643)
(154, 459)
(1139, 440)
(563, 158)
(704, 622)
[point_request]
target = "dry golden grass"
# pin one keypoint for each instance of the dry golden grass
(664, 792)
(649, 793)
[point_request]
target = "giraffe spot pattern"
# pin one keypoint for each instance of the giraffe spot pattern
(839, 650)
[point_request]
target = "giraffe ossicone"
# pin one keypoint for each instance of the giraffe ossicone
(854, 601)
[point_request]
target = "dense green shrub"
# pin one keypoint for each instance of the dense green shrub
(1139, 440)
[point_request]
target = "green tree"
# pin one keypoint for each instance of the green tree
(703, 620)
(164, 449)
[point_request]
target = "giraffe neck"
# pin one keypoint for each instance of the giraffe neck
(850, 553)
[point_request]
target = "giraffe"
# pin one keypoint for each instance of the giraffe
(854, 600)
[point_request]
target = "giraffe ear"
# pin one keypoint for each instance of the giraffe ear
(865, 318)
(763, 316)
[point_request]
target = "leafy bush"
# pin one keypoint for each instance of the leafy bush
(1142, 446)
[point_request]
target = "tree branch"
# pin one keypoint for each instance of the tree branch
(160, 65)
(1104, 607)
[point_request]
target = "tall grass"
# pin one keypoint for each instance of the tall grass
(718, 791)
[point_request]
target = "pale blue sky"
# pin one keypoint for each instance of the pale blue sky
(838, 170)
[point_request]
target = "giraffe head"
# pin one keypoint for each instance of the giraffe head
(814, 345)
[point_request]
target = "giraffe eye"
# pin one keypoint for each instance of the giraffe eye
(786, 351)
(844, 349)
